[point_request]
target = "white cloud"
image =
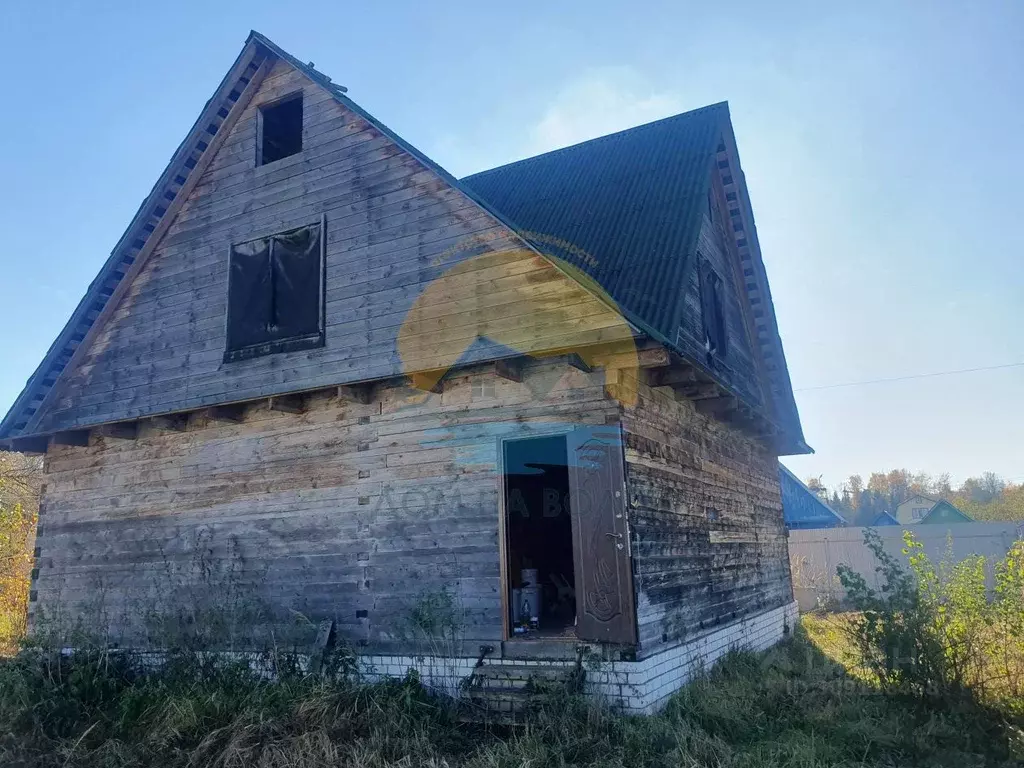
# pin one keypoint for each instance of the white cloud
(594, 103)
(598, 102)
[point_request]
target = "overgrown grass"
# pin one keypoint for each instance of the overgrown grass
(791, 706)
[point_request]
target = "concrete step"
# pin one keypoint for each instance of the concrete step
(540, 648)
(503, 693)
(517, 677)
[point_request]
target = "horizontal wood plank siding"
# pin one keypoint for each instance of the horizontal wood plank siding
(709, 545)
(393, 228)
(346, 511)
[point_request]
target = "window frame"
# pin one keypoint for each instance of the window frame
(262, 108)
(706, 268)
(292, 343)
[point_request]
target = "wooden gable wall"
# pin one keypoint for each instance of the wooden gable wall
(738, 369)
(393, 226)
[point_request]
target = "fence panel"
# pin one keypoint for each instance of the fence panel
(814, 554)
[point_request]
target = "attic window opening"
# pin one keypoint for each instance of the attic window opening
(713, 312)
(280, 129)
(276, 294)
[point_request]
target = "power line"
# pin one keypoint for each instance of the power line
(912, 376)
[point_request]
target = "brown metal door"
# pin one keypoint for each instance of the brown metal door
(597, 493)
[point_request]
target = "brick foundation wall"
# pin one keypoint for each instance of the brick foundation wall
(636, 687)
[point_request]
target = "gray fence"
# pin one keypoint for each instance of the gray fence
(814, 554)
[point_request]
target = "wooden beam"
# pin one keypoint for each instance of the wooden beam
(701, 391)
(656, 357)
(511, 369)
(77, 437)
(288, 403)
(37, 444)
(717, 405)
(122, 430)
(174, 422)
(577, 362)
(234, 412)
(672, 375)
(651, 357)
(356, 393)
(429, 381)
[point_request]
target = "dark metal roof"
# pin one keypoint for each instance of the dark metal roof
(625, 208)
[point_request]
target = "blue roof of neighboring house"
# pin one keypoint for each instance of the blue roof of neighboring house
(801, 507)
(884, 518)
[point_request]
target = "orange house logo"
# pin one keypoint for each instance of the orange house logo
(534, 306)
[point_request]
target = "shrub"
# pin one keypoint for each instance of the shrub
(933, 629)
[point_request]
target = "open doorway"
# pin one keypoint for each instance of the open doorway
(541, 589)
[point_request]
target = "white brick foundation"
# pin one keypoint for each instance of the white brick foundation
(637, 687)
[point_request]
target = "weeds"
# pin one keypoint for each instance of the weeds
(789, 706)
(935, 630)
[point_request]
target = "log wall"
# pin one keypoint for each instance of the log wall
(348, 511)
(709, 544)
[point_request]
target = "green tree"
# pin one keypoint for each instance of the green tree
(19, 493)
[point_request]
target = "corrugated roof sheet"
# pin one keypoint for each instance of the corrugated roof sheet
(625, 208)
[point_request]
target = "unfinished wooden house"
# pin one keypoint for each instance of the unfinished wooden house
(319, 372)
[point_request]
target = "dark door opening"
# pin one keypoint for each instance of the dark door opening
(538, 524)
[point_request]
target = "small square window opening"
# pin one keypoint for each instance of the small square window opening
(280, 130)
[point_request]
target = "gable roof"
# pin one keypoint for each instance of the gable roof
(802, 507)
(634, 198)
(945, 508)
(627, 208)
(884, 518)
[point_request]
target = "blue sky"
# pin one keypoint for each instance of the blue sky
(883, 147)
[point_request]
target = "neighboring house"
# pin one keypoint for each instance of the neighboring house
(884, 518)
(914, 509)
(320, 375)
(923, 509)
(945, 512)
(802, 507)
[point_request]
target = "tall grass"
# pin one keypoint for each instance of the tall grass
(791, 706)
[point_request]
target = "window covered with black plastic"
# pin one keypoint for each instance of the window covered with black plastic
(275, 294)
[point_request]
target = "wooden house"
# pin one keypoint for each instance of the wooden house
(924, 509)
(319, 372)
